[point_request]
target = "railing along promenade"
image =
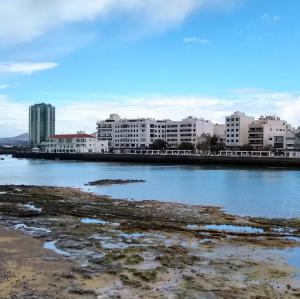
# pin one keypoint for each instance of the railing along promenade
(233, 159)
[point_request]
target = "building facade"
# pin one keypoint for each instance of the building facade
(219, 131)
(137, 133)
(189, 130)
(140, 133)
(75, 143)
(105, 129)
(297, 139)
(41, 123)
(272, 132)
(237, 127)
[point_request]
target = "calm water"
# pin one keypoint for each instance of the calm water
(255, 192)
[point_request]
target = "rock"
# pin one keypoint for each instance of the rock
(108, 182)
(131, 282)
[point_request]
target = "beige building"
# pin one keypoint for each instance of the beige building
(271, 131)
(237, 126)
(189, 130)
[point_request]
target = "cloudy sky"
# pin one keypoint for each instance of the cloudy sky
(155, 58)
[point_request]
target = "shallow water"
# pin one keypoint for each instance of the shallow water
(32, 207)
(255, 192)
(234, 229)
(51, 246)
(92, 221)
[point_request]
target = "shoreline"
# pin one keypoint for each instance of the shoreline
(149, 249)
(257, 162)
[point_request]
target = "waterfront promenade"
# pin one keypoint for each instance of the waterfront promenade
(170, 159)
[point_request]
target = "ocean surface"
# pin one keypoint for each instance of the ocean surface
(267, 192)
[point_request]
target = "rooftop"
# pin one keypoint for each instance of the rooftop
(64, 136)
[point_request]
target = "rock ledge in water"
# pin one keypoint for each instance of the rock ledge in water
(108, 182)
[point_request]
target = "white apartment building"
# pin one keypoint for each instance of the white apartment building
(271, 131)
(142, 132)
(137, 133)
(105, 129)
(290, 138)
(189, 130)
(75, 143)
(237, 126)
(219, 131)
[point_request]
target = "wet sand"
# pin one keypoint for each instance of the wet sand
(123, 249)
(29, 271)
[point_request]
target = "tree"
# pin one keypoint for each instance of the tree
(208, 143)
(268, 148)
(214, 144)
(186, 146)
(159, 144)
(247, 148)
(204, 143)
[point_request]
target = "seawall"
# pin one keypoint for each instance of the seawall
(169, 159)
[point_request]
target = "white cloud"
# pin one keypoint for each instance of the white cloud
(24, 20)
(80, 115)
(26, 67)
(268, 17)
(13, 117)
(196, 40)
(83, 114)
(4, 86)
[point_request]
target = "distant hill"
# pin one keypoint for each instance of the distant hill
(21, 140)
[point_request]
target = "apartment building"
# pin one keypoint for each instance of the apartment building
(142, 132)
(189, 130)
(237, 127)
(271, 131)
(297, 139)
(75, 143)
(137, 133)
(219, 131)
(105, 129)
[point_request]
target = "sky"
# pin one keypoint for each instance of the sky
(151, 58)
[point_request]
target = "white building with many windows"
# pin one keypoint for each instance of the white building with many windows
(142, 132)
(137, 133)
(105, 129)
(219, 131)
(75, 143)
(189, 130)
(271, 131)
(237, 127)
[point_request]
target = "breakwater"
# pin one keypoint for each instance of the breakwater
(169, 159)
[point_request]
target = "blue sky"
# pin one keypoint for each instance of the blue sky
(157, 58)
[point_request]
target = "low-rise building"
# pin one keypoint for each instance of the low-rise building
(75, 143)
(237, 126)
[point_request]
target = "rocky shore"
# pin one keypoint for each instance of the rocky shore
(64, 243)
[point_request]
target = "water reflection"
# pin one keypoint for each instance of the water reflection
(258, 192)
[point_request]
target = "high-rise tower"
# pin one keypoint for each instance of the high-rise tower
(41, 123)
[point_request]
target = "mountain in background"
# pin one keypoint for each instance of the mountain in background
(20, 140)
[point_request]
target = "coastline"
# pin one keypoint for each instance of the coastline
(150, 249)
(257, 162)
